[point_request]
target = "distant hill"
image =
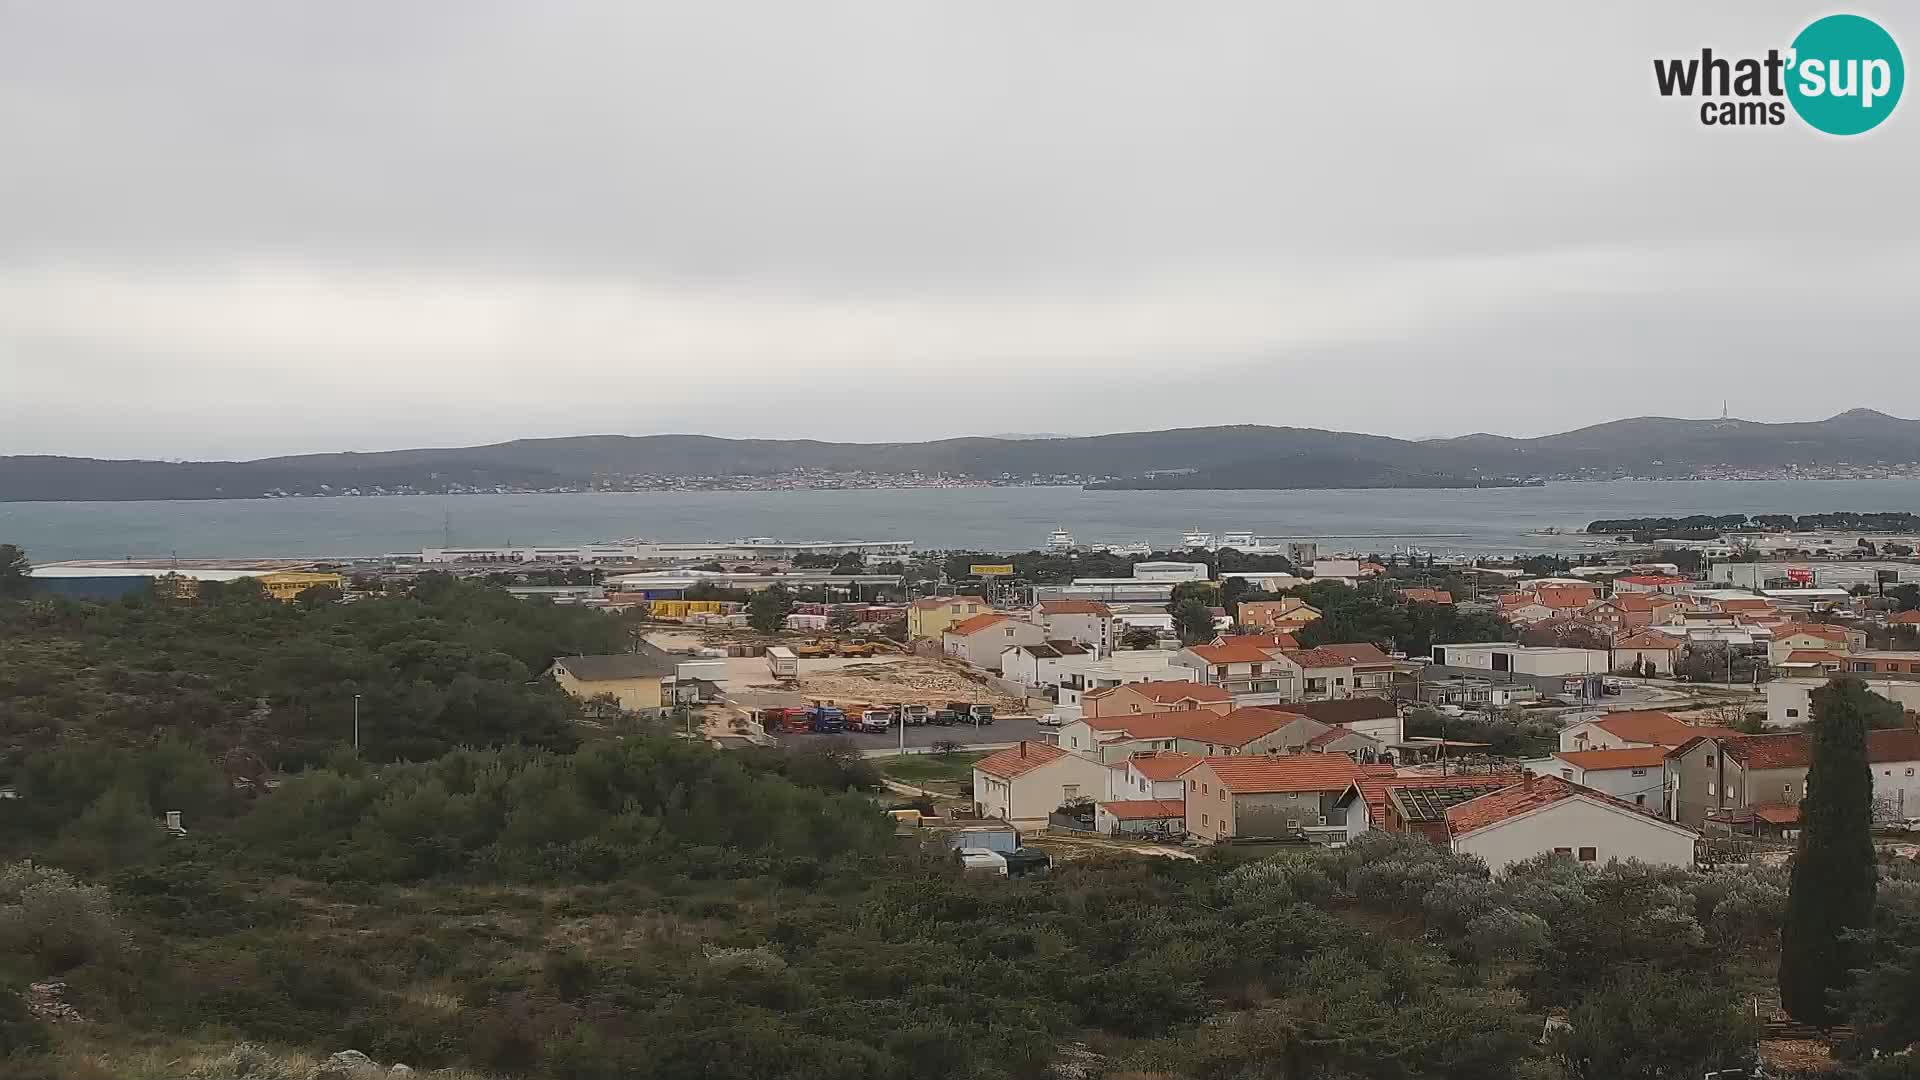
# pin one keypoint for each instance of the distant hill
(1242, 457)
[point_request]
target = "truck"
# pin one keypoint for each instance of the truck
(915, 715)
(876, 721)
(813, 650)
(859, 647)
(829, 721)
(966, 712)
(795, 721)
(782, 664)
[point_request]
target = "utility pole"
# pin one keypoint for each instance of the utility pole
(356, 723)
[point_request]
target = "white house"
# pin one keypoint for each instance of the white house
(979, 640)
(1621, 730)
(1038, 665)
(1635, 775)
(1152, 774)
(1790, 701)
(1023, 784)
(1086, 622)
(1548, 814)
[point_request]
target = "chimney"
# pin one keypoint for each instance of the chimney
(1526, 779)
(1023, 748)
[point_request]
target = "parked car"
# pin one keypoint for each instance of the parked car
(1050, 718)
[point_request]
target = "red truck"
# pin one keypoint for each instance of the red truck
(786, 721)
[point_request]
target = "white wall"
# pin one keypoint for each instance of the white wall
(1896, 788)
(1576, 823)
(1027, 799)
(1641, 790)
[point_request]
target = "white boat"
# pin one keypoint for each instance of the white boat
(1060, 540)
(1197, 539)
(1131, 547)
(1239, 541)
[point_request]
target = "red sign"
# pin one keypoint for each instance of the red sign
(1799, 575)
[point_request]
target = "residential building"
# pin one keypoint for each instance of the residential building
(1904, 618)
(1646, 649)
(1634, 610)
(1369, 672)
(1376, 717)
(1038, 665)
(1418, 804)
(1471, 693)
(1251, 673)
(979, 640)
(1273, 581)
(1624, 730)
(1267, 641)
(1199, 732)
(1426, 596)
(1636, 774)
(1549, 814)
(1343, 570)
(1087, 622)
(1357, 745)
(1660, 583)
(1083, 675)
(1149, 697)
(635, 680)
(1149, 774)
(929, 617)
(1823, 637)
(1134, 817)
(1287, 615)
(1790, 700)
(1237, 798)
(1754, 783)
(1883, 662)
(287, 585)
(1023, 784)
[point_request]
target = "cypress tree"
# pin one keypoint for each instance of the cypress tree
(1834, 876)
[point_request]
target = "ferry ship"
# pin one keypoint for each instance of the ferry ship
(1060, 540)
(1197, 539)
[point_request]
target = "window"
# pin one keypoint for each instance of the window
(1203, 819)
(1563, 851)
(1191, 784)
(1070, 791)
(1588, 854)
(1640, 799)
(1566, 774)
(1709, 761)
(1639, 772)
(1710, 790)
(1786, 790)
(1204, 790)
(1793, 712)
(1909, 772)
(1223, 794)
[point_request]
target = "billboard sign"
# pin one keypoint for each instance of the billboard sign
(1800, 575)
(991, 570)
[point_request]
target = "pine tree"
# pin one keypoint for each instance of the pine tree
(1834, 877)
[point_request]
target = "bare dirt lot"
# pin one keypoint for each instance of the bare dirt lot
(889, 679)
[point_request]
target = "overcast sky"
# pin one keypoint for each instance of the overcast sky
(245, 227)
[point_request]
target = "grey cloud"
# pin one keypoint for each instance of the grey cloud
(452, 222)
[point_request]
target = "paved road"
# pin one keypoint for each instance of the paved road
(999, 733)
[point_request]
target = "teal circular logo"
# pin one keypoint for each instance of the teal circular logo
(1846, 74)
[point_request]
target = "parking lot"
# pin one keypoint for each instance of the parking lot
(998, 733)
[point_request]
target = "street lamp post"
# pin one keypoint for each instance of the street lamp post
(356, 723)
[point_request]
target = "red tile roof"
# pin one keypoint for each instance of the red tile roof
(1162, 764)
(1145, 809)
(1774, 813)
(1019, 760)
(1256, 774)
(1635, 601)
(1325, 656)
(1260, 641)
(1337, 711)
(1635, 757)
(1794, 750)
(1179, 691)
(1359, 653)
(1647, 639)
(1819, 630)
(1235, 652)
(1566, 596)
(1904, 618)
(1510, 802)
(1758, 603)
(1426, 596)
(1075, 607)
(1237, 728)
(1815, 656)
(1648, 726)
(976, 624)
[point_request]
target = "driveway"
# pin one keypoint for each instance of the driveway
(993, 736)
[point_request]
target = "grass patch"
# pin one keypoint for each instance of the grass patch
(922, 769)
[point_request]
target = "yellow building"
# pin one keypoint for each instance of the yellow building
(1283, 616)
(931, 616)
(287, 585)
(636, 680)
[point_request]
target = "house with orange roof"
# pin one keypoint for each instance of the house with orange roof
(1813, 662)
(1199, 731)
(1635, 774)
(1132, 699)
(1731, 782)
(1904, 618)
(1329, 672)
(1273, 640)
(1522, 609)
(1149, 774)
(1254, 673)
(1661, 583)
(1426, 596)
(1087, 622)
(1825, 637)
(1639, 650)
(1240, 798)
(1549, 814)
(1025, 783)
(1623, 730)
(1634, 610)
(980, 640)
(1287, 615)
(1135, 817)
(929, 617)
